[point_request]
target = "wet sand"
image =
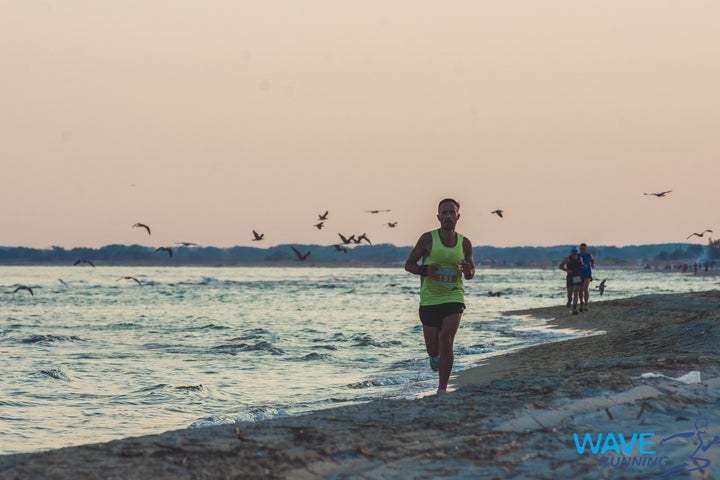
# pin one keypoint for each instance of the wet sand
(512, 418)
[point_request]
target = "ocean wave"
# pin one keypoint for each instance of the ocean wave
(252, 334)
(316, 356)
(235, 348)
(477, 349)
(209, 326)
(325, 347)
(212, 421)
(56, 373)
(364, 384)
(195, 388)
(153, 388)
(266, 413)
(50, 338)
(369, 341)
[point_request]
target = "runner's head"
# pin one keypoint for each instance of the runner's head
(448, 213)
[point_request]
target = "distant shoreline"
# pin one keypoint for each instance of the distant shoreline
(360, 255)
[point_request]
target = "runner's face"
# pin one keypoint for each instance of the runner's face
(448, 215)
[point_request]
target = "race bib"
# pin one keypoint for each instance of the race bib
(576, 279)
(446, 277)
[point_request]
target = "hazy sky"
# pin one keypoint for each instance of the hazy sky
(206, 120)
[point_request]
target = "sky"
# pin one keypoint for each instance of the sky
(206, 120)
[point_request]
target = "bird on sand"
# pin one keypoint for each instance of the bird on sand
(499, 213)
(391, 224)
(601, 287)
(494, 294)
(82, 260)
(700, 234)
(130, 278)
(299, 255)
(187, 244)
(164, 249)
(257, 236)
(323, 216)
(659, 194)
(347, 240)
(318, 225)
(142, 225)
(376, 211)
(340, 248)
(24, 287)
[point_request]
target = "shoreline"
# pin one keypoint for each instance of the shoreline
(513, 415)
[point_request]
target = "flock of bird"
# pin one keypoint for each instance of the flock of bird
(352, 239)
(339, 247)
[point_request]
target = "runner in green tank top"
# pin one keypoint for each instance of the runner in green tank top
(446, 259)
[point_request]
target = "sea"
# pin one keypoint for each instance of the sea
(97, 354)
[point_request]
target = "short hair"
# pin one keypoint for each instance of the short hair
(445, 200)
(583, 244)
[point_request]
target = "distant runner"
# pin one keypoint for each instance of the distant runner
(586, 275)
(573, 265)
(446, 258)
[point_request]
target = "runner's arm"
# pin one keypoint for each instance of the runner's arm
(468, 264)
(420, 251)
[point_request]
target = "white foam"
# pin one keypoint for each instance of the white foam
(688, 378)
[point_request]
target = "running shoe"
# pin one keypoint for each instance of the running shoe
(568, 304)
(440, 390)
(435, 363)
(575, 312)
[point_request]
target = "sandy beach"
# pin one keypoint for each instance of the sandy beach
(650, 372)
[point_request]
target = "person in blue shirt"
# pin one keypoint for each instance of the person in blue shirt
(586, 275)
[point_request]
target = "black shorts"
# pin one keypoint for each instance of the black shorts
(574, 281)
(585, 276)
(432, 315)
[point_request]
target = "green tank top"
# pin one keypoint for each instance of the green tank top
(447, 285)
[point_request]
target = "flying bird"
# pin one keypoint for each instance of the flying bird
(257, 236)
(187, 244)
(376, 211)
(347, 241)
(23, 287)
(82, 260)
(130, 278)
(164, 249)
(499, 213)
(391, 224)
(363, 237)
(660, 194)
(323, 216)
(601, 287)
(299, 255)
(700, 234)
(318, 225)
(340, 248)
(142, 225)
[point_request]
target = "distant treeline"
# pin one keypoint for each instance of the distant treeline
(359, 255)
